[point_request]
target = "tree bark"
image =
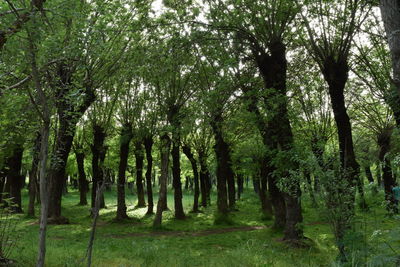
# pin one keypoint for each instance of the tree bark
(390, 10)
(148, 145)
(125, 138)
(162, 200)
(139, 174)
(188, 152)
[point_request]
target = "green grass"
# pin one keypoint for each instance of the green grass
(132, 243)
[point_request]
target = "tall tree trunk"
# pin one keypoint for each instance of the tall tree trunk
(203, 177)
(188, 152)
(44, 145)
(139, 173)
(336, 75)
(176, 179)
(125, 138)
(384, 139)
(173, 118)
(83, 183)
(273, 67)
(335, 70)
(33, 176)
(69, 114)
(390, 10)
(15, 178)
(224, 170)
(148, 145)
(98, 149)
(57, 170)
(162, 199)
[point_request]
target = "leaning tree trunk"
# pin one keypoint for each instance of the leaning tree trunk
(384, 139)
(139, 174)
(188, 152)
(148, 145)
(162, 199)
(33, 174)
(98, 148)
(14, 178)
(125, 138)
(83, 184)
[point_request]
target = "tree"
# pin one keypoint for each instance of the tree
(330, 48)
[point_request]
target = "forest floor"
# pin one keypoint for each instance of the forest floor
(197, 241)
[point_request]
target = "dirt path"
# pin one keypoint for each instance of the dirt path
(198, 233)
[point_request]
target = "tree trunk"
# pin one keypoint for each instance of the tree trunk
(125, 138)
(336, 75)
(278, 203)
(273, 67)
(148, 145)
(173, 118)
(240, 185)
(15, 178)
(188, 152)
(390, 10)
(162, 200)
(57, 170)
(224, 170)
(203, 177)
(98, 149)
(44, 145)
(266, 206)
(176, 179)
(139, 174)
(33, 176)
(83, 184)
(384, 140)
(69, 113)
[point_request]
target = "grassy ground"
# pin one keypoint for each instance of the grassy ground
(186, 243)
